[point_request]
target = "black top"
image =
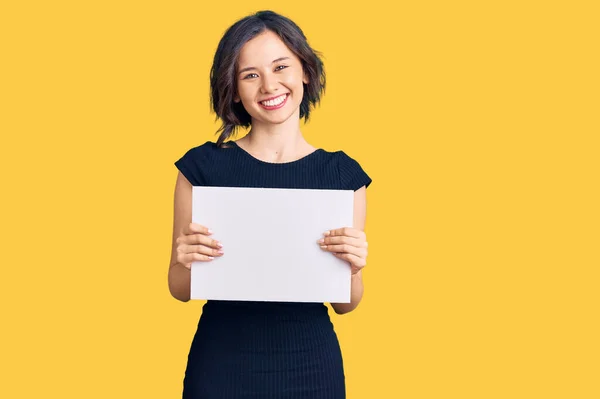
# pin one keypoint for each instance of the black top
(209, 165)
(246, 349)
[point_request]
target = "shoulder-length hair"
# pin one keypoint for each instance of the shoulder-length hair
(223, 83)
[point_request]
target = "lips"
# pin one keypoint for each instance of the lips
(274, 102)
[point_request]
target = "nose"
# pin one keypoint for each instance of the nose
(269, 83)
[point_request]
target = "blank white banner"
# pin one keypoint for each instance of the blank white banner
(269, 238)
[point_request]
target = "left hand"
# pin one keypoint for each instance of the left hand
(347, 243)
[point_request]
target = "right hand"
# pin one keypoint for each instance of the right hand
(194, 244)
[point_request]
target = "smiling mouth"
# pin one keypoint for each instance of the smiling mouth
(276, 102)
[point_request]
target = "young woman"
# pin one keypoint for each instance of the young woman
(265, 76)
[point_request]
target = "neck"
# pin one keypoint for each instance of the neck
(280, 140)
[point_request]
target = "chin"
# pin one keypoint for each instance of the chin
(275, 119)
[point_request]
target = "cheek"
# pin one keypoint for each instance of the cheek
(296, 79)
(240, 90)
(295, 83)
(299, 90)
(244, 94)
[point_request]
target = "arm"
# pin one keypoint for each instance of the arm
(179, 276)
(357, 288)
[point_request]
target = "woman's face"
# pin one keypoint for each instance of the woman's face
(268, 70)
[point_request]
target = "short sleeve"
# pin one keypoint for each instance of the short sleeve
(190, 166)
(352, 175)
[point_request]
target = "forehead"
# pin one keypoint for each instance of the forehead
(262, 50)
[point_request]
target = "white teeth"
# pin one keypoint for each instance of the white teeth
(275, 101)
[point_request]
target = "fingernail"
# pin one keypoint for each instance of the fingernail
(220, 252)
(211, 257)
(210, 231)
(323, 246)
(321, 241)
(219, 245)
(326, 233)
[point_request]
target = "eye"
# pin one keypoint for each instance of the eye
(248, 76)
(282, 67)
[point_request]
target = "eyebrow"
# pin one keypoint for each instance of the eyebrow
(251, 68)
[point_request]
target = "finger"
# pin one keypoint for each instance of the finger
(357, 242)
(354, 260)
(199, 239)
(193, 257)
(345, 231)
(204, 240)
(345, 248)
(200, 249)
(194, 228)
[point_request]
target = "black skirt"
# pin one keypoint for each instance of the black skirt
(264, 350)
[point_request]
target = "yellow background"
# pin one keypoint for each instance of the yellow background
(478, 122)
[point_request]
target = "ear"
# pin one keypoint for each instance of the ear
(305, 77)
(236, 99)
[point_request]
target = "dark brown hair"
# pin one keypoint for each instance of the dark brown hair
(223, 86)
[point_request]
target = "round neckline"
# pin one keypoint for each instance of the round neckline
(247, 154)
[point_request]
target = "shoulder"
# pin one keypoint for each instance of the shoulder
(352, 174)
(193, 163)
(202, 150)
(205, 153)
(345, 159)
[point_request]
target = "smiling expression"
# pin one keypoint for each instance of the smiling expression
(269, 79)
